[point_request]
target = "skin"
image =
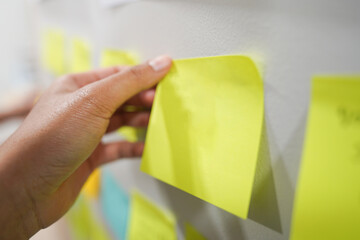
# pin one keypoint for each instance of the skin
(45, 163)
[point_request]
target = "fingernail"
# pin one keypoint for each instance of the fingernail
(160, 63)
(149, 95)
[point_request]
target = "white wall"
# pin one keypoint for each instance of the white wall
(294, 39)
(16, 47)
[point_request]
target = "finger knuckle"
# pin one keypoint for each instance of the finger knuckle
(94, 103)
(64, 79)
(137, 73)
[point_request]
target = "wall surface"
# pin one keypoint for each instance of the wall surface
(293, 39)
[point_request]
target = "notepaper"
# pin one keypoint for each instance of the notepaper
(54, 51)
(92, 186)
(192, 234)
(205, 128)
(115, 206)
(113, 57)
(148, 222)
(327, 204)
(83, 222)
(81, 56)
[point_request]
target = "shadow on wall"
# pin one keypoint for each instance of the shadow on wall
(219, 224)
(264, 207)
(293, 154)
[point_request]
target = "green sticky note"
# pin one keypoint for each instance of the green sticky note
(81, 56)
(327, 204)
(149, 222)
(192, 234)
(53, 51)
(83, 223)
(205, 129)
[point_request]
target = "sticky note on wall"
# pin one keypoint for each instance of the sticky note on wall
(327, 204)
(115, 206)
(83, 222)
(113, 57)
(92, 186)
(192, 234)
(54, 51)
(205, 128)
(80, 55)
(147, 221)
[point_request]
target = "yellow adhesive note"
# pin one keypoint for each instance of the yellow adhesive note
(92, 186)
(80, 56)
(132, 134)
(112, 57)
(192, 234)
(148, 222)
(327, 204)
(205, 129)
(54, 51)
(84, 223)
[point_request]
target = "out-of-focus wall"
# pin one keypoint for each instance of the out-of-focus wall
(17, 52)
(295, 39)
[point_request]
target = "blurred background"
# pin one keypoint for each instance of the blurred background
(292, 42)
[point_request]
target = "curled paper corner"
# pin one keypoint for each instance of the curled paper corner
(258, 59)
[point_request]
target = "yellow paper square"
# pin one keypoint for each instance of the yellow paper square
(92, 186)
(54, 51)
(84, 224)
(81, 56)
(205, 128)
(192, 234)
(327, 202)
(114, 57)
(148, 222)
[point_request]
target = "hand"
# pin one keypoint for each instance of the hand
(45, 163)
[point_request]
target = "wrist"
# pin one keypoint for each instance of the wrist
(18, 219)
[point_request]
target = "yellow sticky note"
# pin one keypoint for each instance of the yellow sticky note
(92, 186)
(192, 234)
(132, 134)
(205, 129)
(84, 223)
(80, 56)
(54, 51)
(327, 204)
(113, 57)
(148, 222)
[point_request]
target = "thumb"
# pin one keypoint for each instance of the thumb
(116, 89)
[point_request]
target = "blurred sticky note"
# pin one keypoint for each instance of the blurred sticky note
(132, 134)
(205, 129)
(54, 51)
(84, 223)
(113, 57)
(92, 186)
(115, 205)
(80, 55)
(192, 234)
(148, 222)
(327, 204)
